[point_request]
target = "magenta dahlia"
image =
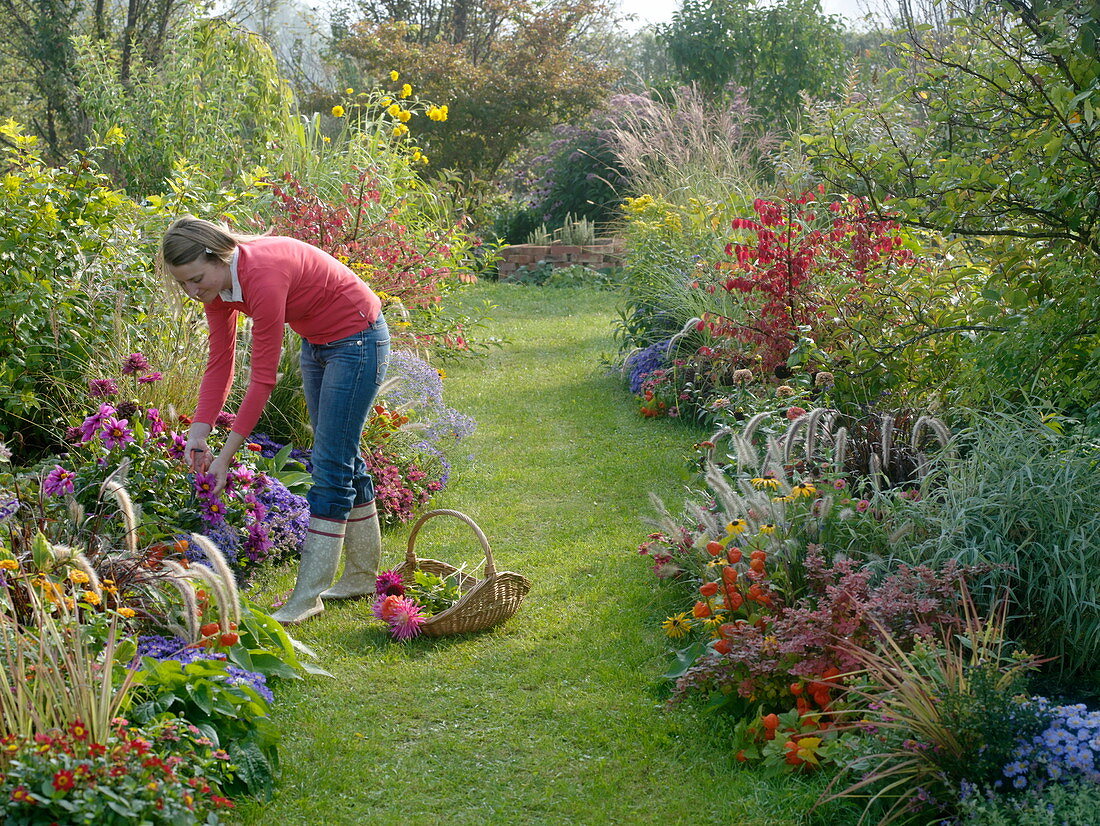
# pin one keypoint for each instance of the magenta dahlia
(389, 583)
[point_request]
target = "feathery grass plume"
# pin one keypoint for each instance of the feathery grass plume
(665, 522)
(77, 559)
(753, 423)
(938, 428)
(887, 438)
(213, 583)
(747, 455)
(840, 448)
(126, 507)
(76, 511)
(813, 420)
(712, 525)
(728, 499)
(686, 329)
(791, 437)
(876, 472)
(225, 573)
(186, 590)
(922, 466)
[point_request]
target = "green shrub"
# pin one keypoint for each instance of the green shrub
(1021, 500)
(70, 266)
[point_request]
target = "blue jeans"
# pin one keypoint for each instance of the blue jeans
(340, 380)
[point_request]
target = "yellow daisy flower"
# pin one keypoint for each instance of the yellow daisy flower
(765, 483)
(767, 528)
(394, 75)
(803, 489)
(737, 526)
(677, 625)
(337, 111)
(127, 613)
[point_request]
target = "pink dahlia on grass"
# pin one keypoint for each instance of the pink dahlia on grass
(384, 607)
(406, 619)
(388, 583)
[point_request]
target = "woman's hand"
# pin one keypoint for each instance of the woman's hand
(219, 469)
(197, 455)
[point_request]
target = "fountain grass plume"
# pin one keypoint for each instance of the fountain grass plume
(938, 428)
(224, 572)
(840, 448)
(64, 553)
(186, 590)
(791, 437)
(214, 582)
(112, 487)
(753, 424)
(887, 438)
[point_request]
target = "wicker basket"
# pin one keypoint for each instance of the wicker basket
(484, 603)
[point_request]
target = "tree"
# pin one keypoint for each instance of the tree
(506, 70)
(776, 53)
(992, 136)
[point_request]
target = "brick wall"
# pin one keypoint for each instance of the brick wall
(602, 255)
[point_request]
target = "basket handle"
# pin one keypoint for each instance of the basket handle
(410, 554)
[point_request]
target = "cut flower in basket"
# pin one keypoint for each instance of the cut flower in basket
(405, 606)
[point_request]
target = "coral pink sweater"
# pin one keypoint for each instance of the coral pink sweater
(283, 281)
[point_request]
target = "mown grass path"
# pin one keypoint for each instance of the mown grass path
(556, 717)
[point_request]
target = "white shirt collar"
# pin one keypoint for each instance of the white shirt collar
(235, 293)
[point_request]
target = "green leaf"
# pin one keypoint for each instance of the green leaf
(684, 659)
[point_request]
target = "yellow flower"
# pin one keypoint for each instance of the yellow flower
(767, 528)
(394, 109)
(337, 111)
(326, 139)
(349, 91)
(424, 159)
(677, 625)
(790, 498)
(442, 372)
(399, 130)
(406, 91)
(386, 101)
(90, 597)
(126, 613)
(8, 565)
(77, 576)
(765, 483)
(737, 526)
(416, 155)
(404, 115)
(437, 113)
(803, 489)
(394, 75)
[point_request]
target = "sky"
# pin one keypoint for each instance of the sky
(660, 11)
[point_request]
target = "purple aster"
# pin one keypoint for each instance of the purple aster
(175, 449)
(156, 423)
(240, 478)
(135, 363)
(58, 481)
(102, 387)
(152, 377)
(205, 484)
(116, 432)
(91, 425)
(212, 511)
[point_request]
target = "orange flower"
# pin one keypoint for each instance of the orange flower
(733, 555)
(757, 565)
(701, 610)
(723, 646)
(770, 721)
(714, 548)
(729, 575)
(734, 600)
(708, 589)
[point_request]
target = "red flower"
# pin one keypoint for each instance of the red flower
(708, 589)
(63, 780)
(21, 794)
(794, 413)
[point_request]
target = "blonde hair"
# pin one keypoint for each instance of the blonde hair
(189, 237)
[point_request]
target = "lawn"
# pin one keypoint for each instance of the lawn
(559, 715)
